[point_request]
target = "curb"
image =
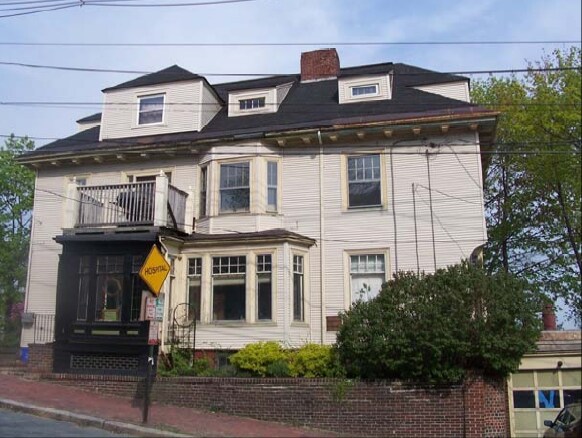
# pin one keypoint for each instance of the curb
(87, 420)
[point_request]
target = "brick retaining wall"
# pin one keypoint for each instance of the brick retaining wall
(476, 409)
(40, 357)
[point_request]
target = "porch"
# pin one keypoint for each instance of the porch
(145, 203)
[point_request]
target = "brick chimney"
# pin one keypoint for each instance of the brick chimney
(319, 65)
(549, 317)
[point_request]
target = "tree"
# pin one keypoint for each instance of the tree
(435, 327)
(533, 200)
(16, 197)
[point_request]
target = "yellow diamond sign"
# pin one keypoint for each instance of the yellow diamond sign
(154, 270)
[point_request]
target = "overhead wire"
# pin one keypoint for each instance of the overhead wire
(288, 44)
(258, 74)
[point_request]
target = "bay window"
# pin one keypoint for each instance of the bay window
(234, 187)
(298, 289)
(194, 288)
(272, 186)
(264, 287)
(229, 288)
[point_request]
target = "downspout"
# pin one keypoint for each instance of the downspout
(321, 240)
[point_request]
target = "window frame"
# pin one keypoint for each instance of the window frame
(260, 100)
(271, 273)
(346, 181)
(385, 251)
(228, 275)
(203, 191)
(249, 187)
(198, 274)
(375, 93)
(269, 186)
(303, 309)
(140, 111)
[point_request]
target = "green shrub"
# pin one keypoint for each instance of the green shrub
(312, 360)
(435, 327)
(279, 368)
(256, 357)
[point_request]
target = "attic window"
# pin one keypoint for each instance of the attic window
(253, 103)
(365, 90)
(151, 110)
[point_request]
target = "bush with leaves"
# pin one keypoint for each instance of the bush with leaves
(312, 360)
(433, 328)
(257, 357)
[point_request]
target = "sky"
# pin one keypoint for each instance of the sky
(314, 23)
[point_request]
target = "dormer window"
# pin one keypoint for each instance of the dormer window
(365, 90)
(253, 103)
(151, 110)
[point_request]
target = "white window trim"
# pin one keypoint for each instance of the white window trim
(138, 112)
(251, 296)
(348, 253)
(306, 289)
(383, 182)
(279, 184)
(365, 95)
(252, 183)
(383, 83)
(234, 99)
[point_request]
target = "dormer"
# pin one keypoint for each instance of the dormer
(257, 101)
(88, 122)
(354, 89)
(169, 101)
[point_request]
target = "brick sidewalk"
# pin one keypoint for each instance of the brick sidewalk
(170, 418)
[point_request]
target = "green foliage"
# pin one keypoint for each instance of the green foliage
(16, 195)
(179, 362)
(534, 201)
(269, 359)
(312, 360)
(279, 368)
(256, 357)
(434, 328)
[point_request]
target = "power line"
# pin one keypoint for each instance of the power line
(292, 44)
(104, 70)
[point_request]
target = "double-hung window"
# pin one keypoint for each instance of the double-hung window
(203, 190)
(194, 287)
(229, 288)
(264, 287)
(234, 187)
(364, 181)
(298, 289)
(368, 273)
(272, 186)
(151, 110)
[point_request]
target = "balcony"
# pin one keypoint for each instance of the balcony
(147, 203)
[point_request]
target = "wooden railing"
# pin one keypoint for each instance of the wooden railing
(155, 203)
(116, 204)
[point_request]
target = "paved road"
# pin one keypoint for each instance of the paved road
(16, 424)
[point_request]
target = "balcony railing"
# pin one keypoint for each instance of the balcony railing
(154, 203)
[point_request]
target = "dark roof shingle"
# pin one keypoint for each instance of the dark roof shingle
(175, 73)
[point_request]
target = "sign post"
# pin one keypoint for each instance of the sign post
(154, 271)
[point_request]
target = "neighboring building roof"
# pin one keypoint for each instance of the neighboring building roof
(560, 341)
(308, 105)
(175, 73)
(90, 119)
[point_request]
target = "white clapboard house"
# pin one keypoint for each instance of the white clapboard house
(277, 202)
